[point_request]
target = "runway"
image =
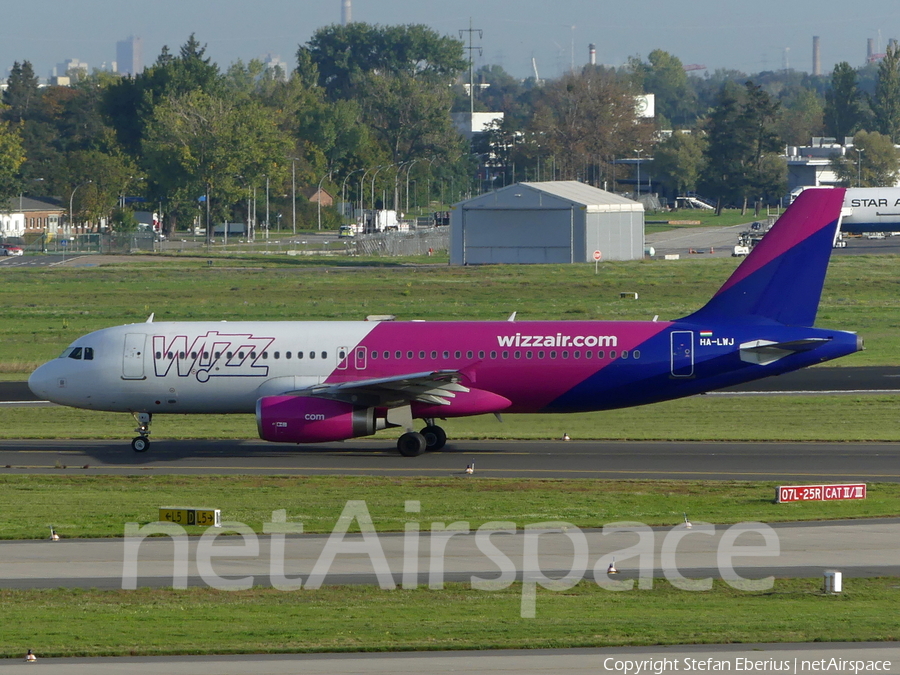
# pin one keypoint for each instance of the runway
(730, 658)
(784, 462)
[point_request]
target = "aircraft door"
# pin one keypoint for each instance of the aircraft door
(682, 353)
(133, 358)
(360, 359)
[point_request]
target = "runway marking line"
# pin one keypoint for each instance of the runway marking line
(480, 470)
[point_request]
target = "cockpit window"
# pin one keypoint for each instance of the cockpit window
(88, 353)
(76, 354)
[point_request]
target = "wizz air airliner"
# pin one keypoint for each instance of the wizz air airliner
(314, 382)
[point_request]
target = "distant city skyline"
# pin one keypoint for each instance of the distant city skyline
(750, 37)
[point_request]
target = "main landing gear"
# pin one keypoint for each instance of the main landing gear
(432, 437)
(142, 443)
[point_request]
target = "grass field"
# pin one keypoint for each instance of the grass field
(362, 618)
(48, 308)
(842, 418)
(706, 218)
(99, 506)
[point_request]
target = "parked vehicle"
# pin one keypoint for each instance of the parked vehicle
(10, 249)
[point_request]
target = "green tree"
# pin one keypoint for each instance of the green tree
(664, 76)
(585, 120)
(21, 93)
(886, 104)
(109, 175)
(12, 156)
(678, 161)
(873, 162)
(131, 102)
(342, 54)
(197, 143)
(741, 158)
(843, 107)
(801, 116)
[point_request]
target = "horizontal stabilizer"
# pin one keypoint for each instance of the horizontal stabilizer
(764, 352)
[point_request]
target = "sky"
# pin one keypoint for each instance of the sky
(750, 36)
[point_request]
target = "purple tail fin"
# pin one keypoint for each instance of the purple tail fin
(781, 280)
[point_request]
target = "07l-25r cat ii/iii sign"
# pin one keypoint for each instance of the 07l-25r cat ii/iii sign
(314, 382)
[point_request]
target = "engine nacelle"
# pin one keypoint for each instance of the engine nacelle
(303, 419)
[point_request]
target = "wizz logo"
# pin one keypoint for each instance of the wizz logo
(212, 355)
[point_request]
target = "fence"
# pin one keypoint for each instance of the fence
(420, 242)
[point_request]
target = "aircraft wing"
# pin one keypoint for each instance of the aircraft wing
(432, 387)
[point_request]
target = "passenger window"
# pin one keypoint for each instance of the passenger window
(387, 355)
(240, 355)
(193, 355)
(265, 355)
(577, 355)
(324, 355)
(636, 354)
(505, 355)
(409, 355)
(481, 355)
(469, 355)
(205, 355)
(159, 355)
(600, 354)
(446, 355)
(398, 355)
(540, 354)
(342, 354)
(374, 354)
(493, 355)
(421, 355)
(253, 355)
(457, 354)
(287, 355)
(218, 355)
(228, 355)
(433, 355)
(277, 355)
(588, 355)
(518, 355)
(76, 354)
(528, 355)
(612, 353)
(312, 355)
(565, 354)
(552, 355)
(624, 354)
(299, 355)
(181, 355)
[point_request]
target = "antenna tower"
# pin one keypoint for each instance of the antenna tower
(471, 31)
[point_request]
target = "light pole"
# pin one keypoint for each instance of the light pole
(859, 152)
(71, 201)
(374, 176)
(362, 194)
(408, 169)
(267, 210)
(294, 193)
(343, 186)
(319, 199)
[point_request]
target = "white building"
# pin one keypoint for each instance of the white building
(546, 222)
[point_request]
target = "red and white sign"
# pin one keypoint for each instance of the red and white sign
(597, 255)
(819, 493)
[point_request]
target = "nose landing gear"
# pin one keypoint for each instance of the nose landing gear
(142, 443)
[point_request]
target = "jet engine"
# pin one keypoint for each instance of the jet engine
(302, 419)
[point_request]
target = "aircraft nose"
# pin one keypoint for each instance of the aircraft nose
(43, 382)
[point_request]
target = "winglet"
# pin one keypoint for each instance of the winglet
(781, 280)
